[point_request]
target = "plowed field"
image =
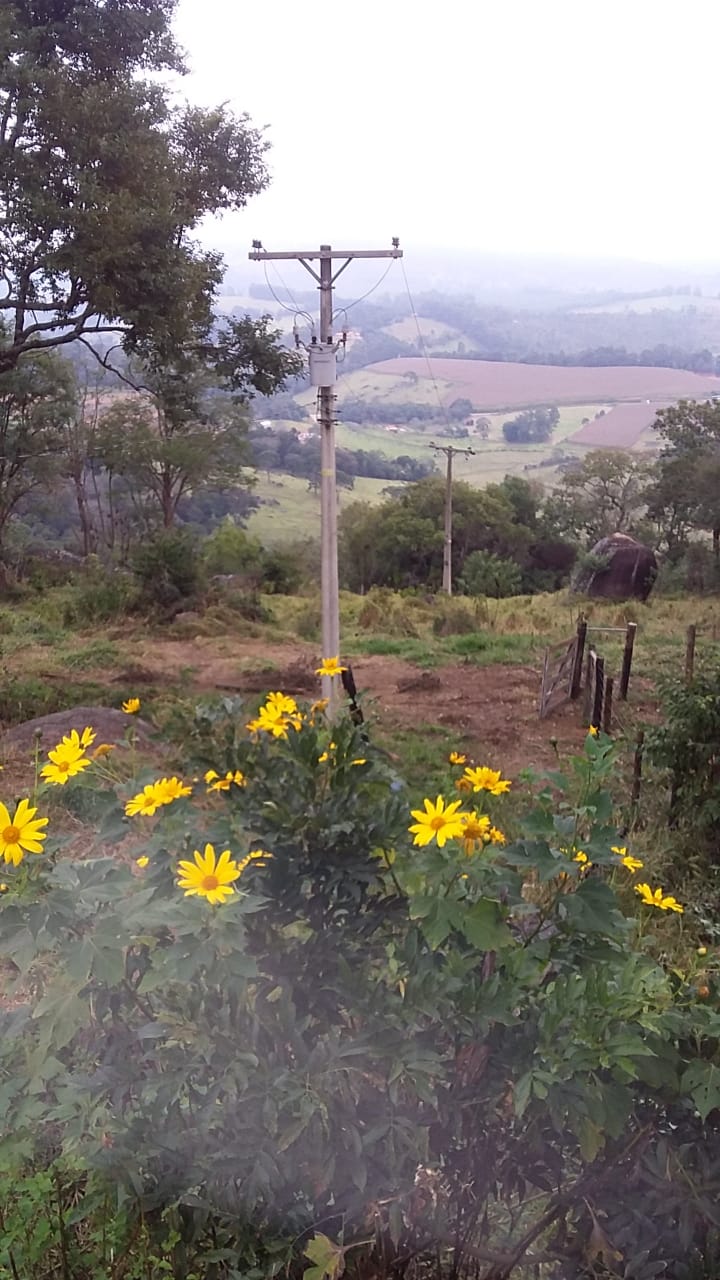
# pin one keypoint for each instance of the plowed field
(497, 385)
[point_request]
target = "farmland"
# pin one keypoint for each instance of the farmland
(504, 385)
(621, 428)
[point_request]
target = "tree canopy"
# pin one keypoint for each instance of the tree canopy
(103, 179)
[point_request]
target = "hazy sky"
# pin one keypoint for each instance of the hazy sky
(555, 126)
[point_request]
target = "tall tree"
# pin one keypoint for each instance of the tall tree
(103, 180)
(37, 401)
(689, 467)
(163, 454)
(603, 494)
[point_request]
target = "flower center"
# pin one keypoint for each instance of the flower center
(437, 822)
(210, 882)
(11, 835)
(64, 766)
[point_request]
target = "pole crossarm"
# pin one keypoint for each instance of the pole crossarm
(325, 382)
(263, 255)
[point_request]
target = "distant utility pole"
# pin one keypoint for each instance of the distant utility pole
(323, 375)
(449, 450)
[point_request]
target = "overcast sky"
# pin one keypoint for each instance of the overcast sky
(556, 126)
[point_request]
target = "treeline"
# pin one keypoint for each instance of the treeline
(282, 450)
(399, 544)
(382, 412)
(515, 537)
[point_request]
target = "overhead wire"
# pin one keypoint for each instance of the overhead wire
(423, 347)
(295, 309)
(377, 284)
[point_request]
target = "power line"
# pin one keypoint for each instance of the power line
(377, 284)
(295, 310)
(423, 347)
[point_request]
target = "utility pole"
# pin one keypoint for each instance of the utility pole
(323, 375)
(449, 450)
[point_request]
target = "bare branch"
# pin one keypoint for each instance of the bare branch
(103, 361)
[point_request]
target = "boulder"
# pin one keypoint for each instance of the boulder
(624, 569)
(109, 725)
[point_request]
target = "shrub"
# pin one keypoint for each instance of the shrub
(230, 549)
(441, 1048)
(687, 746)
(168, 568)
(485, 574)
(452, 617)
(100, 595)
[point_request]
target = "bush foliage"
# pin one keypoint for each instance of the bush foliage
(378, 1053)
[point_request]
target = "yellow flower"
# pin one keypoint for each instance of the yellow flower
(656, 898)
(582, 858)
(4, 888)
(484, 779)
(78, 743)
(274, 722)
(592, 731)
(457, 757)
(172, 789)
(142, 862)
(103, 749)
(702, 951)
(22, 833)
(330, 667)
(282, 704)
(319, 707)
(257, 855)
(496, 836)
(437, 822)
(131, 706)
(475, 831)
(146, 802)
(463, 784)
(208, 877)
(64, 761)
(216, 783)
(632, 864)
(362, 760)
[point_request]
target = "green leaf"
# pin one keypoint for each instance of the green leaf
(484, 927)
(328, 1258)
(702, 1081)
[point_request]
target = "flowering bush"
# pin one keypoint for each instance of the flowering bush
(302, 1000)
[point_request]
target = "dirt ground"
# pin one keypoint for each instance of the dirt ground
(491, 709)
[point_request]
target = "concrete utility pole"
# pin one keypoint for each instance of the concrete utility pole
(323, 375)
(449, 450)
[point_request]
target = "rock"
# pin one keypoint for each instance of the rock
(626, 570)
(426, 682)
(109, 726)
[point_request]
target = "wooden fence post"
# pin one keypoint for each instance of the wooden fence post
(580, 637)
(607, 705)
(627, 660)
(598, 700)
(589, 684)
(690, 652)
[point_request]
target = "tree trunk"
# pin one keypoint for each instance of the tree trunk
(86, 526)
(167, 499)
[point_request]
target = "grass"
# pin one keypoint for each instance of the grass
(46, 667)
(291, 511)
